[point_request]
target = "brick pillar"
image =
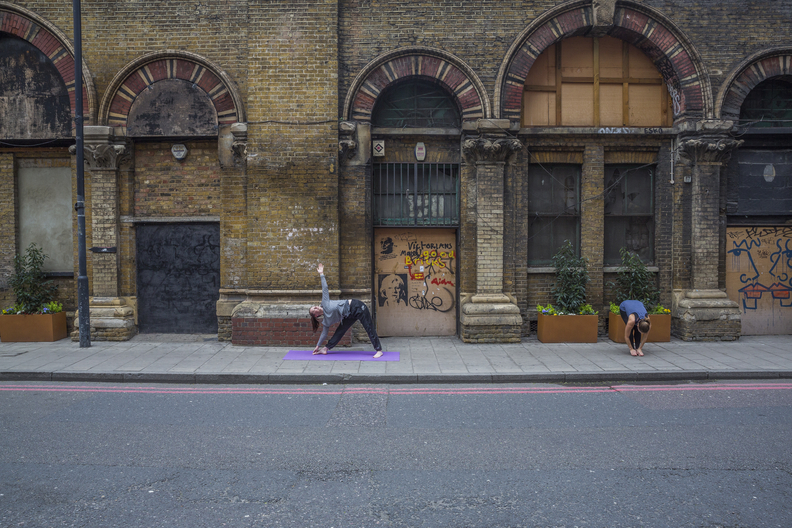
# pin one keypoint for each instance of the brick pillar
(8, 219)
(490, 316)
(704, 312)
(592, 224)
(232, 152)
(111, 318)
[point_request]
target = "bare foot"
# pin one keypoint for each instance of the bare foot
(633, 352)
(640, 352)
(378, 354)
(322, 350)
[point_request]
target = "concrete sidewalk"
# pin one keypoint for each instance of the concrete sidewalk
(202, 359)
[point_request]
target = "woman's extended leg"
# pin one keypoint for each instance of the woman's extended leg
(345, 324)
(368, 325)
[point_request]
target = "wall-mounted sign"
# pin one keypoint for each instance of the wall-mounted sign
(378, 147)
(179, 151)
(420, 151)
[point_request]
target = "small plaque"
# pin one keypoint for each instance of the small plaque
(420, 151)
(378, 147)
(179, 151)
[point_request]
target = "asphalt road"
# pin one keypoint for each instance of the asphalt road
(103, 455)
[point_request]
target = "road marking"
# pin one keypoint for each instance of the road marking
(393, 391)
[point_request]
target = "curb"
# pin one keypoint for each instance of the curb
(302, 379)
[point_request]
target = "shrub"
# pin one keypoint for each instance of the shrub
(29, 283)
(569, 290)
(634, 281)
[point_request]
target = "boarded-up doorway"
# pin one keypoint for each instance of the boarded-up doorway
(178, 277)
(759, 277)
(416, 281)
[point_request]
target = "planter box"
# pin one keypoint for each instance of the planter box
(34, 327)
(567, 328)
(660, 332)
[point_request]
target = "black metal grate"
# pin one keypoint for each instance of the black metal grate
(416, 194)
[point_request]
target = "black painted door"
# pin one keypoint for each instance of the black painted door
(178, 278)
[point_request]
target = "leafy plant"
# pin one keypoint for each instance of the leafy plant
(546, 310)
(634, 281)
(614, 308)
(29, 283)
(659, 309)
(586, 309)
(52, 307)
(569, 290)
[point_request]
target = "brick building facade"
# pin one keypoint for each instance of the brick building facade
(231, 145)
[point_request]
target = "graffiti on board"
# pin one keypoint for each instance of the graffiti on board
(767, 251)
(416, 279)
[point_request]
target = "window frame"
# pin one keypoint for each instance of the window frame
(608, 169)
(577, 215)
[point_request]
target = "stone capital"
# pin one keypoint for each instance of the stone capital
(239, 131)
(490, 149)
(347, 143)
(707, 149)
(102, 150)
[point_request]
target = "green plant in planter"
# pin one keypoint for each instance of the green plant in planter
(634, 281)
(29, 283)
(569, 290)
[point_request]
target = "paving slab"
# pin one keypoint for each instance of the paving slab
(203, 359)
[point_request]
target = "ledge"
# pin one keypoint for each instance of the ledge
(167, 219)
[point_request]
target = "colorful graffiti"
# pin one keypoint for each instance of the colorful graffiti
(416, 281)
(759, 274)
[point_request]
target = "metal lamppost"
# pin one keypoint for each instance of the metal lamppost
(82, 278)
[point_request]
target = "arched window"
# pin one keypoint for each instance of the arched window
(35, 100)
(415, 104)
(770, 103)
(603, 81)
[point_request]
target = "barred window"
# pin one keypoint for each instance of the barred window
(423, 194)
(553, 211)
(629, 212)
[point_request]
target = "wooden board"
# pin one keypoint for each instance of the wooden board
(415, 281)
(759, 277)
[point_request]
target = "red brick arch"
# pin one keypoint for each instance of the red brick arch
(159, 66)
(672, 53)
(390, 68)
(56, 46)
(747, 75)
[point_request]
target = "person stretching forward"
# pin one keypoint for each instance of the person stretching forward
(345, 312)
(636, 325)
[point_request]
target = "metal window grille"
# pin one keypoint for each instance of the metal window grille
(416, 194)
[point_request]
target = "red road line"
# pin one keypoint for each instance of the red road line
(395, 391)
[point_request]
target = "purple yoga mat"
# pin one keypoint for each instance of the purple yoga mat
(341, 355)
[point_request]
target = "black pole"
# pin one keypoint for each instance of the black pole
(82, 279)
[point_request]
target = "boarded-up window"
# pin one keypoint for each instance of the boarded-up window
(595, 82)
(553, 210)
(629, 205)
(45, 214)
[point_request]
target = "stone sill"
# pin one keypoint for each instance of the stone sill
(607, 269)
(646, 132)
(167, 219)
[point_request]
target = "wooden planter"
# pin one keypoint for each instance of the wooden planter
(34, 327)
(660, 333)
(567, 328)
